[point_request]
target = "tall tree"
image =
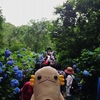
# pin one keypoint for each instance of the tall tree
(77, 27)
(7, 33)
(36, 36)
(1, 22)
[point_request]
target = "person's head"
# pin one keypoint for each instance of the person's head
(69, 70)
(48, 49)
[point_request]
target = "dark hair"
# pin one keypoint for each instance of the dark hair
(37, 66)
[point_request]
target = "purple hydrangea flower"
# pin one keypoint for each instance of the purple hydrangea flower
(26, 70)
(74, 66)
(14, 83)
(25, 64)
(16, 90)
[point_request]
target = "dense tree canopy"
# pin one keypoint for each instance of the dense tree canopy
(77, 27)
(1, 22)
(35, 35)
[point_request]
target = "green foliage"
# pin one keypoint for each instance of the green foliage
(1, 35)
(7, 34)
(16, 46)
(35, 35)
(89, 61)
(1, 18)
(75, 28)
(76, 35)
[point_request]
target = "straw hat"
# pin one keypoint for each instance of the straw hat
(69, 70)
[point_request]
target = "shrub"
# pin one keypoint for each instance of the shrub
(14, 71)
(88, 71)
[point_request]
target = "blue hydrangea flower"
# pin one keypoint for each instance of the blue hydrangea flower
(23, 49)
(41, 58)
(4, 75)
(29, 59)
(7, 53)
(86, 73)
(78, 79)
(1, 64)
(19, 74)
(14, 83)
(16, 90)
(10, 62)
(3, 67)
(80, 85)
(77, 70)
(15, 68)
(19, 55)
(90, 53)
(0, 70)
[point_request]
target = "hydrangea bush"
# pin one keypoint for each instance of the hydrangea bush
(15, 68)
(87, 71)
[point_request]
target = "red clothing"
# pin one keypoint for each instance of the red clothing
(27, 91)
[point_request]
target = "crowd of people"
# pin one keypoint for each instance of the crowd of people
(50, 60)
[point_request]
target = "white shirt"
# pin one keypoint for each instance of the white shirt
(69, 80)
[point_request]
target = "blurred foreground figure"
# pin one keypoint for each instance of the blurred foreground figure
(26, 91)
(46, 82)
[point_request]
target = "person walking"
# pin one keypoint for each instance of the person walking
(69, 78)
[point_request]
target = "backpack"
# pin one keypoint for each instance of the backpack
(75, 89)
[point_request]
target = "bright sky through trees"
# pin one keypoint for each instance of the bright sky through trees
(20, 12)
